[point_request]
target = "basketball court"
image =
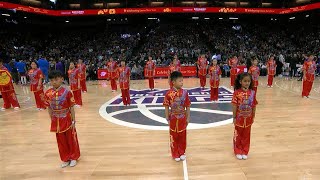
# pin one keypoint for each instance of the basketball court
(119, 142)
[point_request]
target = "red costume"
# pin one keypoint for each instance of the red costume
(82, 71)
(233, 62)
(215, 73)
(74, 78)
(245, 102)
(309, 67)
(60, 101)
(113, 75)
(178, 101)
(7, 90)
(177, 65)
(124, 81)
(150, 67)
(271, 67)
(202, 71)
(255, 73)
(36, 77)
(171, 69)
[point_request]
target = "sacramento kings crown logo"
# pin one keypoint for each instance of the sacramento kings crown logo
(147, 112)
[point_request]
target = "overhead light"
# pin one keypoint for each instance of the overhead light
(153, 18)
(25, 17)
(75, 6)
(271, 19)
(108, 19)
(201, 3)
(157, 3)
(266, 4)
(98, 5)
(6, 15)
(230, 3)
(33, 2)
(302, 1)
(233, 18)
(187, 2)
(244, 3)
(292, 18)
(307, 15)
(113, 5)
(195, 17)
(67, 21)
(220, 18)
(207, 18)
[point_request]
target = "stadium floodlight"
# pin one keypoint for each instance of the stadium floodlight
(152, 18)
(67, 21)
(195, 18)
(6, 15)
(207, 18)
(233, 18)
(220, 18)
(307, 15)
(53, 1)
(292, 18)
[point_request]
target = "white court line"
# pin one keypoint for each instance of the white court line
(185, 170)
(22, 109)
(310, 97)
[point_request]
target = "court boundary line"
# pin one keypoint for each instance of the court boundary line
(185, 170)
(310, 97)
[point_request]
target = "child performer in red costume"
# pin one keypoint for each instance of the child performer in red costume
(124, 82)
(177, 116)
(60, 104)
(244, 110)
(254, 70)
(36, 86)
(309, 68)
(271, 67)
(150, 68)
(215, 74)
(75, 83)
(202, 70)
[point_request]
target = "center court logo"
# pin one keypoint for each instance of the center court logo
(146, 110)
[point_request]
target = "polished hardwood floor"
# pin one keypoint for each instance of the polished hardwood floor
(285, 141)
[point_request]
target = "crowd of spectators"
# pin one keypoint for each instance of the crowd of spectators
(135, 43)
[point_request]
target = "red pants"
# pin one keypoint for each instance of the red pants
(68, 145)
(83, 84)
(214, 94)
(178, 143)
(232, 79)
(307, 86)
(151, 82)
(39, 97)
(255, 90)
(9, 98)
(241, 140)
(77, 97)
(203, 80)
(270, 80)
(125, 96)
(113, 84)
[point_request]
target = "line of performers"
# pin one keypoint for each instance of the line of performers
(60, 101)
